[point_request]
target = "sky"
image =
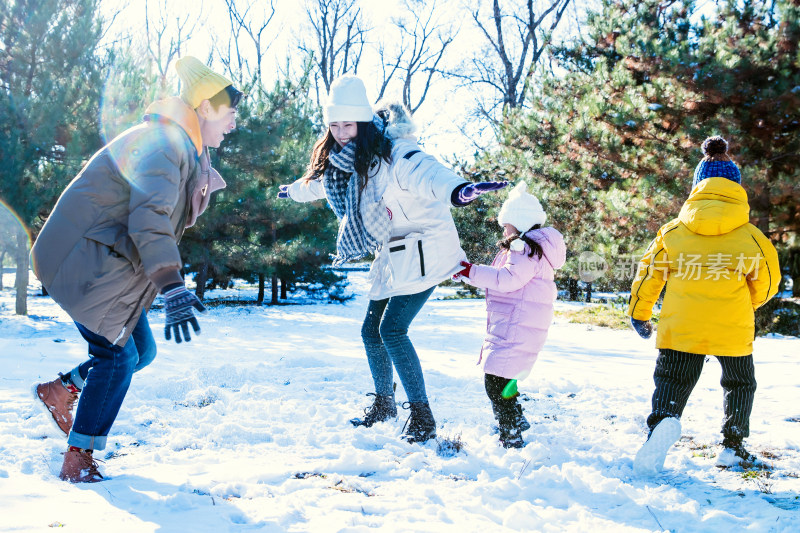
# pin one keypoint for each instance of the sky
(448, 125)
(443, 118)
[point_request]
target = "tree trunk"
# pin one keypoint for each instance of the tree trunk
(283, 289)
(201, 280)
(792, 261)
(274, 279)
(21, 282)
(261, 284)
(588, 293)
(760, 207)
(572, 287)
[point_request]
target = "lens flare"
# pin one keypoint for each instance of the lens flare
(12, 229)
(11, 223)
(127, 92)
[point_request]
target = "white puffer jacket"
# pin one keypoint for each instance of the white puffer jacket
(423, 248)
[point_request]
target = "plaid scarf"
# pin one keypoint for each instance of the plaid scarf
(362, 229)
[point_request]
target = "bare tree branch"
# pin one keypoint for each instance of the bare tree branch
(417, 56)
(339, 37)
(166, 37)
(387, 76)
(247, 28)
(516, 43)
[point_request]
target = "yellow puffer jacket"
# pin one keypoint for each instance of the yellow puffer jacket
(718, 269)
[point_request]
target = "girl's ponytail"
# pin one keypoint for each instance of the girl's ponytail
(536, 248)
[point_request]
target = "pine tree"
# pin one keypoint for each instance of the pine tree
(610, 144)
(247, 232)
(49, 95)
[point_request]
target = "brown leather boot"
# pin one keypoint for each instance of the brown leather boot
(80, 467)
(59, 402)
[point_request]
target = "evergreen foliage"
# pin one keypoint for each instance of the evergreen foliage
(247, 232)
(131, 84)
(49, 94)
(611, 142)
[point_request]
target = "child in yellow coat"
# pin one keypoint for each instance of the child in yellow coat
(718, 269)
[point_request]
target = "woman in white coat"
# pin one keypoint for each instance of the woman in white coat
(392, 200)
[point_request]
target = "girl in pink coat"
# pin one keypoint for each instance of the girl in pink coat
(520, 292)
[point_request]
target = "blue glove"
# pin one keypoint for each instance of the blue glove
(283, 191)
(471, 191)
(643, 327)
(178, 304)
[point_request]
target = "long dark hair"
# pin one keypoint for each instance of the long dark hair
(373, 147)
(536, 248)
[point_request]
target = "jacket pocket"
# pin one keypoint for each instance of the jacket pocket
(119, 244)
(407, 260)
(498, 322)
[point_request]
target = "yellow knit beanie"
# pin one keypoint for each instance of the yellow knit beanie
(199, 82)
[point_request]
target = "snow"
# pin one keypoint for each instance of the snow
(246, 429)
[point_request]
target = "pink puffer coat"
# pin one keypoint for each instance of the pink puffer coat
(520, 292)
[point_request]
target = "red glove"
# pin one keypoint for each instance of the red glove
(463, 273)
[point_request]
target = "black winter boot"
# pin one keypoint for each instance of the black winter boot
(519, 418)
(734, 446)
(507, 412)
(381, 410)
(511, 437)
(511, 422)
(421, 425)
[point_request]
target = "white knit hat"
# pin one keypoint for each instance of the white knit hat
(521, 210)
(347, 101)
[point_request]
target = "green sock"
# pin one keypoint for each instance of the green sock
(510, 390)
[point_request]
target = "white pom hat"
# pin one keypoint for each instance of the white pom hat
(347, 101)
(521, 210)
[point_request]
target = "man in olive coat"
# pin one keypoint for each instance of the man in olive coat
(111, 245)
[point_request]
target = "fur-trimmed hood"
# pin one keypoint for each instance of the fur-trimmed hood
(397, 117)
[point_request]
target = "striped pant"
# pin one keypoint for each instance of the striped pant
(676, 375)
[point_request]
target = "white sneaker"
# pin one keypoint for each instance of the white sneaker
(650, 458)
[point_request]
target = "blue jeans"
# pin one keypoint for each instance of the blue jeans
(385, 336)
(145, 345)
(104, 388)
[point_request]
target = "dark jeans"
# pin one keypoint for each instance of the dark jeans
(676, 375)
(385, 336)
(105, 386)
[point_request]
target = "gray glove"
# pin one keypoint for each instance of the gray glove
(178, 304)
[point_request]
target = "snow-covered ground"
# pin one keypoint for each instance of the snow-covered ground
(246, 429)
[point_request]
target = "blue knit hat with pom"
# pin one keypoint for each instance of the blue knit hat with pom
(716, 163)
